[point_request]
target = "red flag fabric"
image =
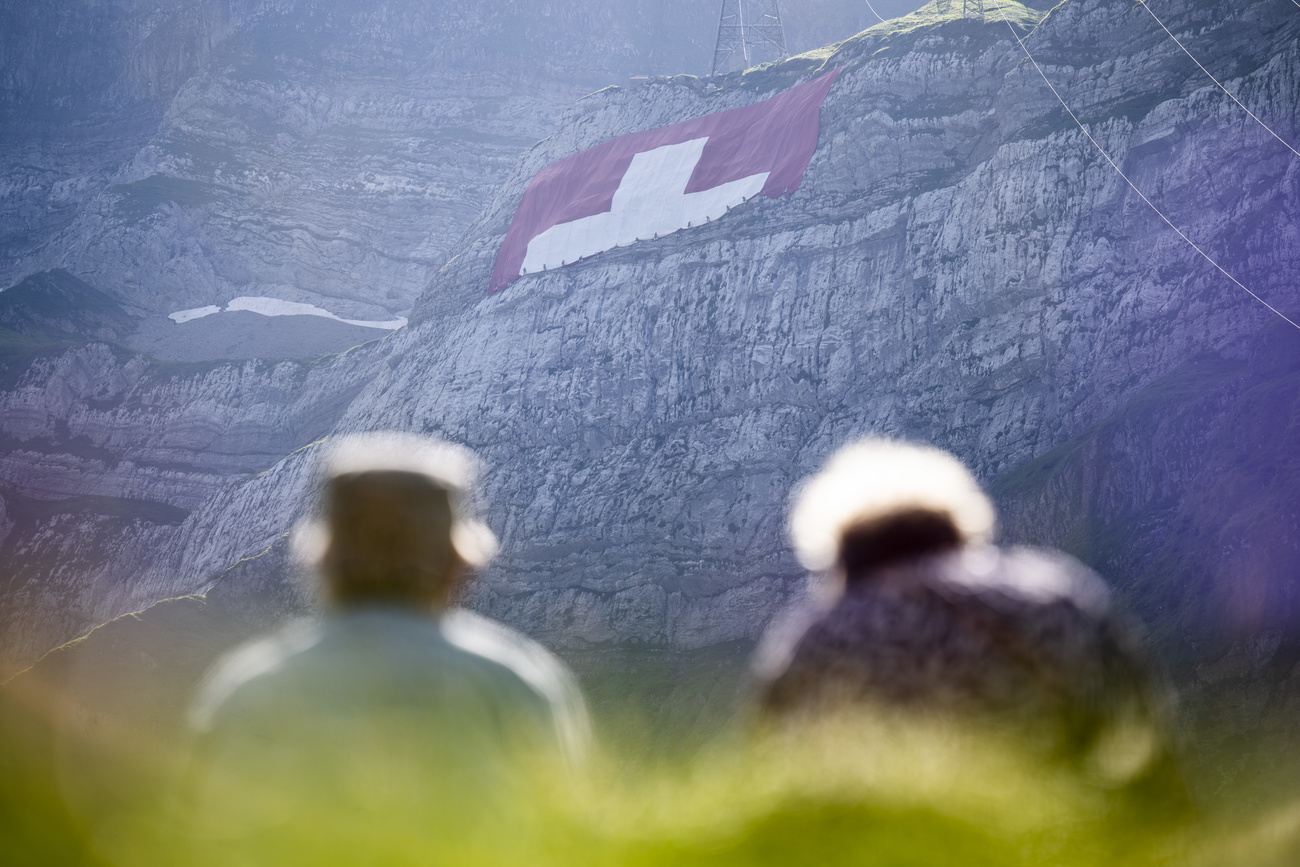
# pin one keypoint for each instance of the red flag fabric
(651, 183)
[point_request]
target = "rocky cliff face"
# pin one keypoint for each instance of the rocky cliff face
(321, 151)
(163, 156)
(105, 456)
(960, 266)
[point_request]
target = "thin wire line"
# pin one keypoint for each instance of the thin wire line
(882, 20)
(1147, 6)
(1120, 172)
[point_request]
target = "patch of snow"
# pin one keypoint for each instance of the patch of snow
(197, 313)
(276, 307)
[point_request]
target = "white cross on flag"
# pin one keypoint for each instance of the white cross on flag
(651, 183)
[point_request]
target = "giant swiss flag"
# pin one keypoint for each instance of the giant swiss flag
(647, 184)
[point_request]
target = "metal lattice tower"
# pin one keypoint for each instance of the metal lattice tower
(969, 8)
(749, 33)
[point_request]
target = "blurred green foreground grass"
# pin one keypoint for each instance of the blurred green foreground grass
(93, 758)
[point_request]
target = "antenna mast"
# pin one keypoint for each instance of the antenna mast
(749, 31)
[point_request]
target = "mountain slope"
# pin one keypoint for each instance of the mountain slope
(959, 266)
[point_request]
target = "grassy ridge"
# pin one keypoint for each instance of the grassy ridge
(92, 754)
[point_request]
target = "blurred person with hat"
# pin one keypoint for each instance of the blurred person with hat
(395, 708)
(921, 616)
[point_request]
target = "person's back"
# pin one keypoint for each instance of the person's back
(929, 618)
(1015, 635)
(441, 706)
(393, 709)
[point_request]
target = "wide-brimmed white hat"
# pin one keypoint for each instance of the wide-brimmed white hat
(874, 477)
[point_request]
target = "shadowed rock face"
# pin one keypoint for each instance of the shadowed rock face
(960, 266)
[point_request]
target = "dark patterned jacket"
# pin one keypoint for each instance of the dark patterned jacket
(1017, 637)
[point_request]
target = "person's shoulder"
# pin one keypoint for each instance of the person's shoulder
(539, 669)
(498, 643)
(1035, 576)
(780, 640)
(256, 662)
